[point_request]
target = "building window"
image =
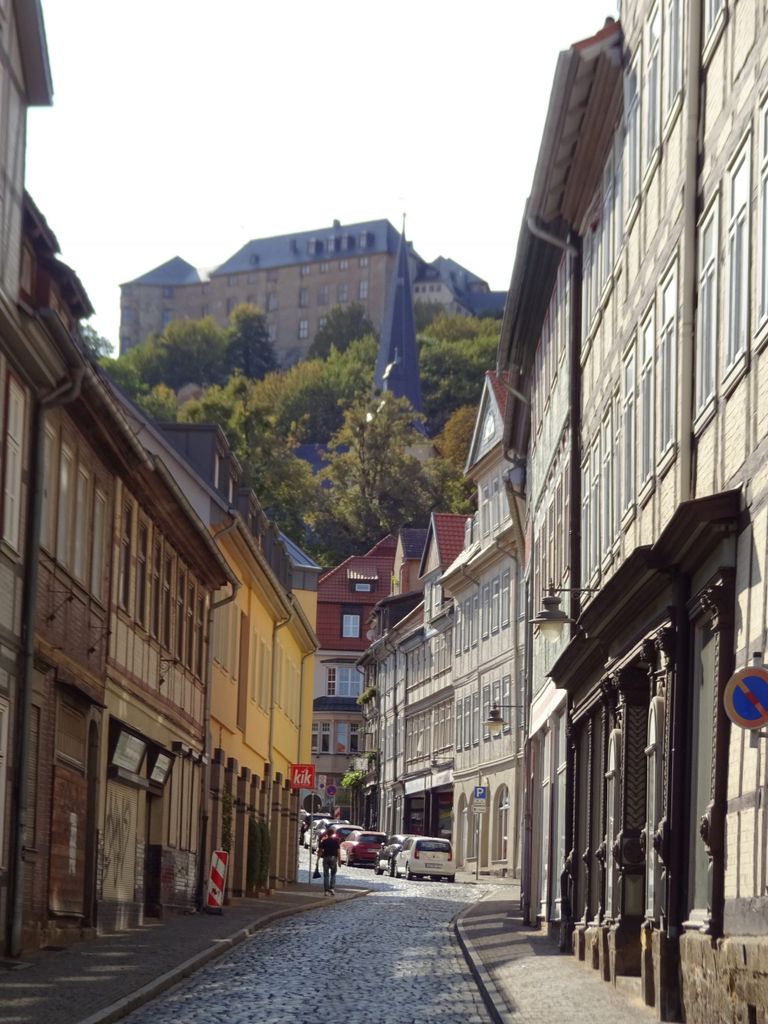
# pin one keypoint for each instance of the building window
(342, 738)
(14, 454)
(342, 292)
(606, 483)
(495, 604)
(763, 289)
(303, 297)
(653, 789)
(303, 329)
(271, 302)
(628, 431)
(343, 264)
(632, 93)
(323, 268)
(646, 411)
(344, 681)
(306, 269)
(142, 555)
(156, 587)
(323, 296)
(362, 291)
(350, 623)
(505, 595)
(653, 86)
(181, 587)
(673, 52)
(738, 257)
(485, 509)
(486, 610)
(315, 733)
(594, 526)
(98, 538)
(706, 341)
(712, 11)
(667, 363)
(363, 261)
(167, 600)
(325, 737)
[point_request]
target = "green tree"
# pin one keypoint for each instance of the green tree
(283, 483)
(424, 313)
(190, 352)
(159, 403)
(374, 483)
(249, 348)
(452, 372)
(343, 325)
(96, 343)
(456, 436)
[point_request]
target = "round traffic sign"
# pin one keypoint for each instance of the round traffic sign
(746, 697)
(330, 791)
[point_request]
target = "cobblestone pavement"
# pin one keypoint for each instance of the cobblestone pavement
(390, 957)
(530, 982)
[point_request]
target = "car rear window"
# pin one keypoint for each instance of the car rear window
(434, 845)
(372, 837)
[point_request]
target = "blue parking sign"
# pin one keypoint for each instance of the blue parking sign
(481, 792)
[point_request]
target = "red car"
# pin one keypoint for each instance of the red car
(362, 847)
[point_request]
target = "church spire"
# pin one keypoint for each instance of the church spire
(397, 364)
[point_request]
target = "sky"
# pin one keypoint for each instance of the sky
(186, 127)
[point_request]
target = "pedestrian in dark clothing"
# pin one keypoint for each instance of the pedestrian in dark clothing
(329, 849)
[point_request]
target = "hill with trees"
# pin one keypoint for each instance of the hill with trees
(379, 472)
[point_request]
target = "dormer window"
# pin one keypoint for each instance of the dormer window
(362, 587)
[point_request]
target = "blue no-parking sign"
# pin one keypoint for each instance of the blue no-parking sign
(745, 698)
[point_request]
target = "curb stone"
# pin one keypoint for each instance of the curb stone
(127, 1004)
(497, 1005)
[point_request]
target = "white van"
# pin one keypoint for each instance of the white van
(426, 857)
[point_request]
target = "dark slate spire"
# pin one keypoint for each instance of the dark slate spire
(397, 364)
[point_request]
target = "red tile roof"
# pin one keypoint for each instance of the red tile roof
(500, 392)
(449, 536)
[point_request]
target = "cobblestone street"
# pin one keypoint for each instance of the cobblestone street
(391, 956)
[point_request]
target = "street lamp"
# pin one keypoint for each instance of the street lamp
(552, 618)
(496, 722)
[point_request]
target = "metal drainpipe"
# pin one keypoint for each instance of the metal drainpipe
(685, 370)
(62, 395)
(207, 738)
(277, 626)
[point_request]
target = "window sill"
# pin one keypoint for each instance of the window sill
(666, 460)
(734, 374)
(646, 491)
(672, 115)
(628, 515)
(761, 338)
(632, 213)
(714, 37)
(650, 170)
(704, 416)
(606, 294)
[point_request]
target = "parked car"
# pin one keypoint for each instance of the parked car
(426, 857)
(388, 852)
(361, 847)
(313, 822)
(342, 830)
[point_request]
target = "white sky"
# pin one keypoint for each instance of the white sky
(188, 127)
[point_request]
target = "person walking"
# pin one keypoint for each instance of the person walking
(329, 849)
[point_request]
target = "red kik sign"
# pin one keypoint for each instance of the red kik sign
(302, 776)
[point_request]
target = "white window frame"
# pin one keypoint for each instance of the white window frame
(633, 122)
(763, 216)
(653, 85)
(713, 9)
(4, 717)
(16, 414)
(351, 620)
(706, 326)
(594, 537)
(667, 389)
(673, 53)
(606, 496)
(739, 185)
(64, 505)
(82, 523)
(646, 395)
(628, 428)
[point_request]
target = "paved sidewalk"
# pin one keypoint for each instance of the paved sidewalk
(526, 980)
(101, 980)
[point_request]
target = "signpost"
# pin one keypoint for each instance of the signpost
(302, 777)
(479, 806)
